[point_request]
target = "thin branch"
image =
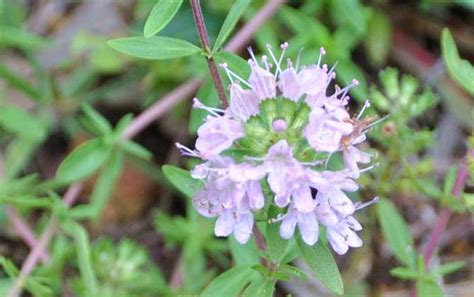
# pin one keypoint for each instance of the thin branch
(33, 257)
(445, 214)
(206, 45)
(24, 230)
(139, 124)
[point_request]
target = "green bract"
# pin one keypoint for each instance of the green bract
(260, 135)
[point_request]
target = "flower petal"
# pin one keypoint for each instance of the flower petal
(309, 227)
(288, 224)
(224, 224)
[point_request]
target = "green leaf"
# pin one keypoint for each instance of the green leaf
(83, 161)
(207, 94)
(182, 180)
(396, 232)
(18, 153)
(229, 283)
(161, 14)
(106, 183)
(404, 273)
(18, 121)
(261, 287)
(460, 70)
(136, 149)
(449, 180)
(244, 254)
(83, 250)
(350, 13)
(230, 21)
(321, 261)
(123, 124)
(292, 271)
(19, 83)
(154, 48)
(26, 201)
(428, 288)
(379, 38)
(277, 246)
(12, 36)
(99, 123)
(449, 268)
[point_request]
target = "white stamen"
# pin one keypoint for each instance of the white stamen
(270, 51)
(360, 205)
(344, 91)
(252, 55)
(265, 62)
(366, 105)
(279, 217)
(230, 73)
(376, 122)
(283, 46)
(369, 168)
(322, 52)
(186, 151)
(298, 58)
(214, 111)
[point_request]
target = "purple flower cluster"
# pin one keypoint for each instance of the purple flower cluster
(306, 191)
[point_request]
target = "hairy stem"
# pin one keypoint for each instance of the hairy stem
(206, 45)
(146, 118)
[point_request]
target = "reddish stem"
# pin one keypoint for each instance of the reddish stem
(24, 231)
(443, 218)
(204, 37)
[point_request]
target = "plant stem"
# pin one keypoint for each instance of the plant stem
(260, 240)
(24, 231)
(206, 45)
(445, 214)
(146, 118)
(443, 217)
(33, 257)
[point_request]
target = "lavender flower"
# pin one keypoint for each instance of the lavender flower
(277, 137)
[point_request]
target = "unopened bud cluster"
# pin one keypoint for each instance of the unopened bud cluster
(271, 146)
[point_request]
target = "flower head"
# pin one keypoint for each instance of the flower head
(272, 146)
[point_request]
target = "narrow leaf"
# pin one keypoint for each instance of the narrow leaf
(21, 122)
(261, 287)
(161, 14)
(449, 268)
(230, 21)
(428, 288)
(154, 48)
(99, 122)
(460, 70)
(404, 273)
(244, 254)
(83, 250)
(396, 232)
(136, 149)
(182, 180)
(106, 183)
(321, 261)
(229, 283)
(379, 38)
(277, 246)
(83, 161)
(19, 83)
